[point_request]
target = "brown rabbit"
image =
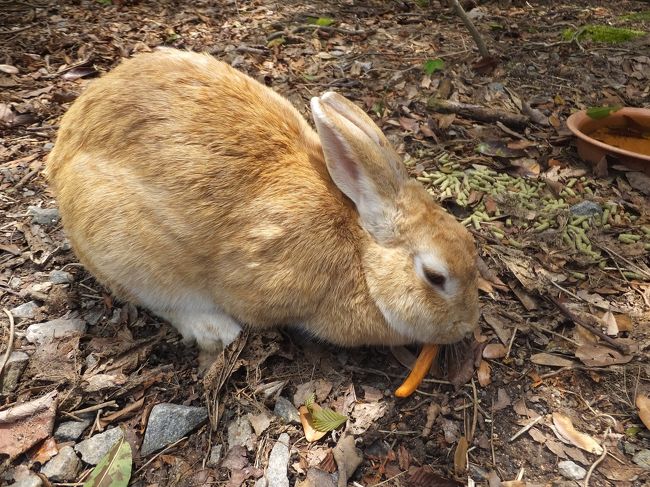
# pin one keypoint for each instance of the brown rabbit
(189, 188)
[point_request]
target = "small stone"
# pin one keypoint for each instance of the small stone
(94, 448)
(61, 277)
(48, 146)
(260, 422)
(41, 287)
(261, 482)
(169, 423)
(24, 477)
(41, 333)
(642, 459)
(26, 310)
(276, 472)
(286, 411)
(586, 208)
(63, 467)
(571, 470)
(44, 216)
(215, 456)
(15, 282)
(71, 430)
(318, 478)
(14, 368)
(240, 433)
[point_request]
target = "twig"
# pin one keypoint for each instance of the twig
(477, 112)
(30, 174)
(638, 269)
(9, 32)
(474, 413)
(329, 28)
(476, 35)
(392, 478)
(95, 407)
(624, 349)
(525, 428)
(10, 342)
(158, 454)
(594, 465)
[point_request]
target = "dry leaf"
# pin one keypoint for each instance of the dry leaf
(599, 356)
(567, 431)
(460, 456)
(624, 322)
(348, 457)
(311, 433)
(484, 374)
(610, 323)
(24, 425)
(550, 360)
(45, 451)
(537, 435)
(503, 401)
(643, 405)
(494, 351)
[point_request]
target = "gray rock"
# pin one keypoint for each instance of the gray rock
(169, 423)
(215, 456)
(44, 216)
(571, 470)
(40, 333)
(61, 277)
(94, 448)
(71, 430)
(14, 368)
(319, 478)
(286, 411)
(26, 310)
(642, 459)
(276, 472)
(240, 433)
(63, 467)
(586, 208)
(261, 482)
(24, 477)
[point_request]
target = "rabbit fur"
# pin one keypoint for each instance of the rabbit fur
(189, 188)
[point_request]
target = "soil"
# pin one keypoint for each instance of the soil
(376, 53)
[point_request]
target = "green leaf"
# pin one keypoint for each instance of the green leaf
(601, 112)
(322, 21)
(114, 470)
(327, 420)
(430, 66)
(309, 401)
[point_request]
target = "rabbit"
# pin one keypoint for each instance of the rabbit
(187, 187)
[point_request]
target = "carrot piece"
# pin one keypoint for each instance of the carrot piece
(419, 370)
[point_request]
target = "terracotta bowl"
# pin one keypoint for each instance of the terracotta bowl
(593, 150)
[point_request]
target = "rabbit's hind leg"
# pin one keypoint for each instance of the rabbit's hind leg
(212, 331)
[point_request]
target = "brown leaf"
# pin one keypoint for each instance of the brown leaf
(537, 435)
(624, 322)
(565, 429)
(8, 68)
(599, 356)
(503, 401)
(45, 451)
(643, 405)
(550, 360)
(494, 351)
(609, 320)
(24, 425)
(425, 477)
(483, 373)
(460, 456)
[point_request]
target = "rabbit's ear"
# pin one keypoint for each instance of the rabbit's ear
(359, 160)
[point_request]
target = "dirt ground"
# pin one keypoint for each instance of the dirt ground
(536, 367)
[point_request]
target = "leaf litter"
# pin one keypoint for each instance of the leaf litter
(519, 190)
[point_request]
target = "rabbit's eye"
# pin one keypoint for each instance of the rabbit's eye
(434, 278)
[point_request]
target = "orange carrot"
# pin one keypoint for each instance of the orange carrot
(419, 370)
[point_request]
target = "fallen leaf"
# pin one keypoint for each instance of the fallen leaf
(599, 356)
(624, 322)
(45, 451)
(425, 477)
(8, 68)
(550, 360)
(460, 456)
(24, 425)
(610, 323)
(114, 470)
(483, 373)
(98, 382)
(503, 401)
(537, 435)
(643, 405)
(320, 387)
(499, 325)
(567, 431)
(348, 457)
(260, 422)
(311, 433)
(494, 351)
(365, 415)
(522, 410)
